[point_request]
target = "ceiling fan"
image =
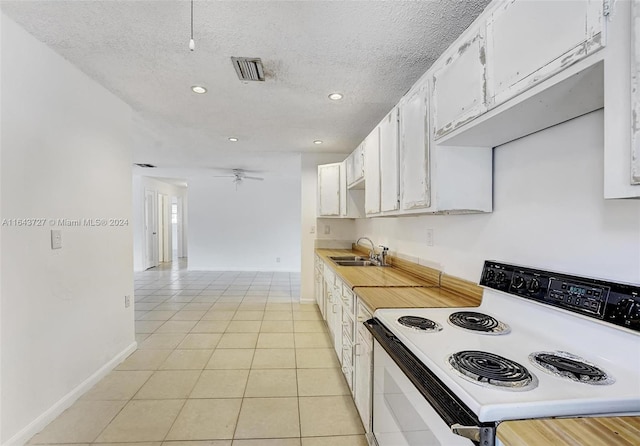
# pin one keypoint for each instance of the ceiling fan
(238, 176)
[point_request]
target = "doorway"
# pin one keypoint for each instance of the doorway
(150, 229)
(164, 228)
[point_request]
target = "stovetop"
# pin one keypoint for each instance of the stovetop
(535, 336)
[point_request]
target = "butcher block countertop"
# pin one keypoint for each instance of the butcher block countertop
(372, 276)
(376, 297)
(611, 431)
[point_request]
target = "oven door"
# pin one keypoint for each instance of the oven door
(401, 415)
(411, 406)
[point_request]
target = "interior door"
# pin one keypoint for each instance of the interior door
(150, 230)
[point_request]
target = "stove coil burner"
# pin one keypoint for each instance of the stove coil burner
(480, 322)
(566, 365)
(492, 370)
(419, 323)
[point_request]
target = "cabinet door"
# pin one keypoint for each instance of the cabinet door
(362, 382)
(529, 41)
(329, 190)
(459, 86)
(372, 173)
(414, 149)
(635, 91)
(351, 171)
(389, 178)
(343, 189)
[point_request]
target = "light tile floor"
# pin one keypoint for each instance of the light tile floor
(224, 358)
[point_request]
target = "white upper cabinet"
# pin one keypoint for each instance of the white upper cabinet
(635, 92)
(459, 84)
(329, 190)
(372, 173)
(389, 178)
(528, 41)
(355, 168)
(414, 148)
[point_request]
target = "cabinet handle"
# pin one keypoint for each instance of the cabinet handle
(333, 308)
(360, 319)
(358, 348)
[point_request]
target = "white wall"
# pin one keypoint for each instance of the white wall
(312, 227)
(65, 153)
(245, 229)
(140, 184)
(549, 212)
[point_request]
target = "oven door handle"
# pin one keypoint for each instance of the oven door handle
(481, 435)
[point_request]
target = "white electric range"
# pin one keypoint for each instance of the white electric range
(541, 344)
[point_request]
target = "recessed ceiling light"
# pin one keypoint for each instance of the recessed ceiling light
(198, 89)
(233, 139)
(317, 141)
(335, 96)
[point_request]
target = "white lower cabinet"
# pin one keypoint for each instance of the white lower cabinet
(363, 364)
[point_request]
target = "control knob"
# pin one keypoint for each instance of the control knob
(519, 282)
(489, 275)
(534, 285)
(500, 277)
(628, 310)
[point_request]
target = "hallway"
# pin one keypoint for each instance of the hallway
(224, 356)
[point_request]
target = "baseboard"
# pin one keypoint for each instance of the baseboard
(307, 301)
(24, 435)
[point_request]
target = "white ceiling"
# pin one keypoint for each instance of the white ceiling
(371, 51)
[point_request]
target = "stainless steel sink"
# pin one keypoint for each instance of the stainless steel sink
(354, 263)
(347, 258)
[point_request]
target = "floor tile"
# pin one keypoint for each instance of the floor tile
(309, 326)
(184, 315)
(206, 326)
(313, 340)
(141, 443)
(244, 327)
(200, 341)
(159, 341)
(218, 315)
(248, 315)
(140, 337)
(329, 415)
(278, 315)
(197, 306)
(155, 315)
(278, 307)
(275, 340)
(82, 422)
(148, 326)
(221, 384)
(142, 306)
(274, 358)
(187, 360)
(206, 419)
(276, 327)
(268, 418)
(195, 443)
(238, 340)
(316, 358)
(271, 383)
(142, 421)
(347, 440)
(305, 307)
(168, 384)
(322, 382)
(175, 306)
(230, 359)
(304, 316)
(268, 442)
(144, 360)
(175, 326)
(118, 385)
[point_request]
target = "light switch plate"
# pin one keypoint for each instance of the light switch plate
(56, 239)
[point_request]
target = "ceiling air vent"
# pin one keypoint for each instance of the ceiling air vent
(248, 68)
(146, 166)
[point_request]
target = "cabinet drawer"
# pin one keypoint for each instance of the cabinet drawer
(347, 331)
(348, 299)
(363, 313)
(329, 276)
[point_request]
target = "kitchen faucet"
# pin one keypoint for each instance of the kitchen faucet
(379, 259)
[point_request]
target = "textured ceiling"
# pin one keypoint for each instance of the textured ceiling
(371, 51)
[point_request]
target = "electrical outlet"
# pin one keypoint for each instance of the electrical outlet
(327, 229)
(313, 230)
(127, 301)
(56, 239)
(429, 237)
(277, 259)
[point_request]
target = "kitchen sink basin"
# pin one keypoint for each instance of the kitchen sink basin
(348, 258)
(354, 263)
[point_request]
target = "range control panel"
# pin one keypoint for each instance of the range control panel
(611, 302)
